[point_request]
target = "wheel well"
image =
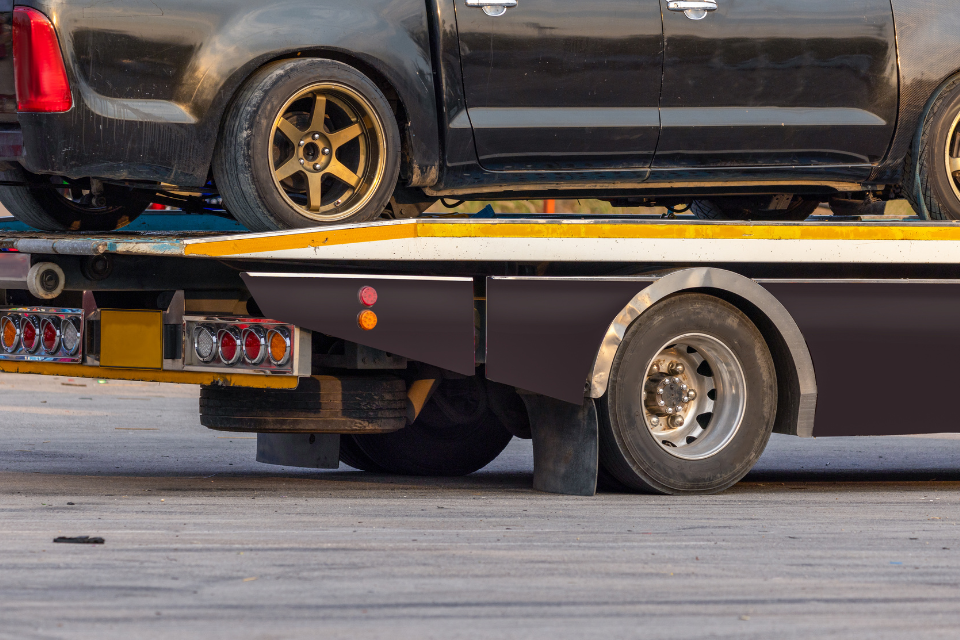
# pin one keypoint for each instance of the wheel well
(370, 71)
(788, 381)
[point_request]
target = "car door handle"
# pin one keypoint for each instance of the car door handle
(693, 9)
(492, 8)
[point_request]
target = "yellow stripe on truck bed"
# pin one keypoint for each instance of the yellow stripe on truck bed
(569, 230)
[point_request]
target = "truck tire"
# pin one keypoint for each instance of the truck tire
(48, 209)
(353, 456)
(932, 182)
(798, 210)
(307, 143)
(455, 434)
(711, 369)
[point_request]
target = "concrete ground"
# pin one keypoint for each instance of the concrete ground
(826, 538)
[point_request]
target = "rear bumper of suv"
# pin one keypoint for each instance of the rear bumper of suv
(11, 143)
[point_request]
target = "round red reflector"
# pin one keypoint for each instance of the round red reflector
(368, 296)
(254, 346)
(10, 333)
(229, 346)
(29, 334)
(49, 335)
(367, 320)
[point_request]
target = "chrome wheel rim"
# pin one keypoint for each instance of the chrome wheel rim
(327, 151)
(693, 396)
(952, 156)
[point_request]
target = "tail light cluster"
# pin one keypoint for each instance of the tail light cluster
(39, 72)
(239, 343)
(41, 334)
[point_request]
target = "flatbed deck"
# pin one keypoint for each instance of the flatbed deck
(535, 240)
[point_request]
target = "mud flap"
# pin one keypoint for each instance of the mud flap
(313, 451)
(565, 444)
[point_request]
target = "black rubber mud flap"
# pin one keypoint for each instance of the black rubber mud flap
(312, 451)
(565, 445)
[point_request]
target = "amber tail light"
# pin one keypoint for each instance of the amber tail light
(41, 78)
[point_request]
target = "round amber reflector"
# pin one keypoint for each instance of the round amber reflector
(367, 320)
(254, 345)
(10, 333)
(229, 346)
(50, 335)
(29, 334)
(368, 296)
(279, 346)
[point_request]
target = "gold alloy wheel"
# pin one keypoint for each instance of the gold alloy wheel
(327, 151)
(952, 156)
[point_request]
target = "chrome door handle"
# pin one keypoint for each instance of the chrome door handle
(492, 7)
(693, 9)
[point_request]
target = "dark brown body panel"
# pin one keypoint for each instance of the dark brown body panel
(885, 353)
(425, 319)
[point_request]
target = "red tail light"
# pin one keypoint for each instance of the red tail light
(41, 77)
(229, 345)
(30, 333)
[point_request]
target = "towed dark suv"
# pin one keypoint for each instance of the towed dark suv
(308, 112)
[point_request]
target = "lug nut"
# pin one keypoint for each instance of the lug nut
(316, 136)
(325, 151)
(675, 368)
(654, 369)
(654, 421)
(691, 394)
(301, 160)
(669, 409)
(659, 391)
(303, 142)
(676, 421)
(316, 167)
(660, 403)
(338, 202)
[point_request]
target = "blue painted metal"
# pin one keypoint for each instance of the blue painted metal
(158, 221)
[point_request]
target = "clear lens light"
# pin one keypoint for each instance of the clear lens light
(69, 337)
(204, 344)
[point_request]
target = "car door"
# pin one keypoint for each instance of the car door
(777, 82)
(562, 84)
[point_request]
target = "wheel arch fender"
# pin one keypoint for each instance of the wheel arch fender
(796, 379)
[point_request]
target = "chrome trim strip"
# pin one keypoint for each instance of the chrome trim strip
(563, 117)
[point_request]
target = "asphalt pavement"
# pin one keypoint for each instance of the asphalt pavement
(826, 538)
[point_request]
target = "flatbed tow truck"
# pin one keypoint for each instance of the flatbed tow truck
(656, 355)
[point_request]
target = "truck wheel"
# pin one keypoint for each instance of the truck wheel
(455, 434)
(691, 400)
(798, 210)
(353, 456)
(305, 144)
(932, 183)
(50, 208)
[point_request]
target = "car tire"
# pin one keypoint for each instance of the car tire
(455, 434)
(341, 168)
(799, 210)
(934, 158)
(42, 205)
(727, 405)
